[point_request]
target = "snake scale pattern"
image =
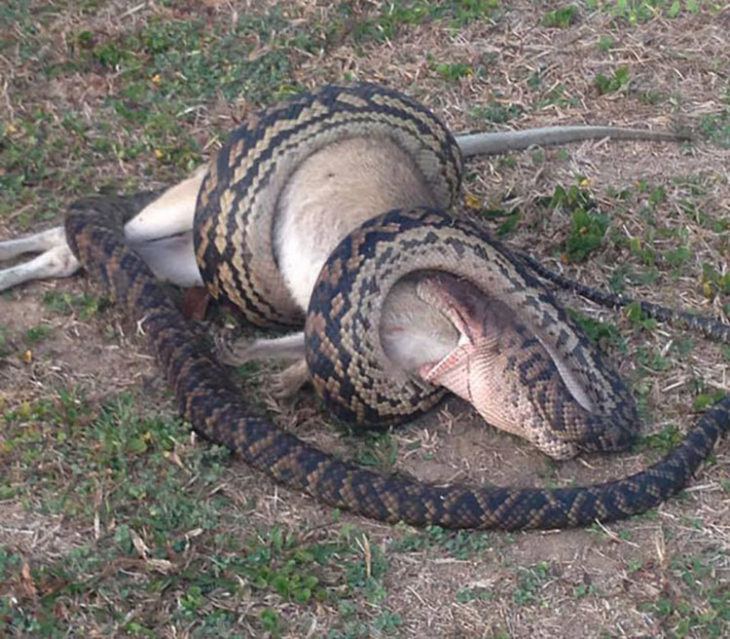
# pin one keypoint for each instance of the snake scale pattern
(214, 405)
(234, 215)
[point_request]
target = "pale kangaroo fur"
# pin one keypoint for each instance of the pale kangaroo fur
(331, 193)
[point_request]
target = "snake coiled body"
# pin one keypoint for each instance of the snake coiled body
(235, 211)
(217, 410)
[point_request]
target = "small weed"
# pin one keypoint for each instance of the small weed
(706, 399)
(494, 112)
(385, 20)
(652, 359)
(530, 581)
(587, 231)
(454, 70)
(511, 219)
(665, 440)
(643, 251)
(583, 590)
(474, 593)
(588, 226)
(556, 96)
(697, 580)
(636, 316)
(611, 84)
(678, 256)
(457, 544)
(386, 623)
(716, 128)
(604, 334)
(652, 97)
(85, 306)
(634, 12)
(377, 450)
(606, 43)
(36, 334)
(561, 18)
(270, 620)
(626, 273)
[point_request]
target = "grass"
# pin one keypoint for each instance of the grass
(163, 528)
(615, 82)
(635, 12)
(85, 306)
(115, 522)
(678, 612)
(561, 18)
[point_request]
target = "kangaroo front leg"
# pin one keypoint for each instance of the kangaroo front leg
(283, 384)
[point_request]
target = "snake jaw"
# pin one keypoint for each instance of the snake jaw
(494, 349)
(474, 369)
(475, 372)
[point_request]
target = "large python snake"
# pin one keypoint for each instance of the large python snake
(230, 207)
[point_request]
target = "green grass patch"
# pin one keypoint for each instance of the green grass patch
(555, 95)
(613, 83)
(714, 282)
(561, 18)
(633, 12)
(457, 544)
(699, 603)
(665, 440)
(384, 21)
(605, 43)
(605, 334)
(530, 581)
(707, 398)
(37, 334)
(84, 306)
(494, 113)
(588, 225)
(165, 532)
(453, 70)
(377, 450)
(509, 220)
(716, 128)
(475, 593)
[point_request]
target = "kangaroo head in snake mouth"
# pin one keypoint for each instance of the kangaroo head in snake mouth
(445, 331)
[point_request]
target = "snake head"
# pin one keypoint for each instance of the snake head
(514, 381)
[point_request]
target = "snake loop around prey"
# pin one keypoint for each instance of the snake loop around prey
(217, 410)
